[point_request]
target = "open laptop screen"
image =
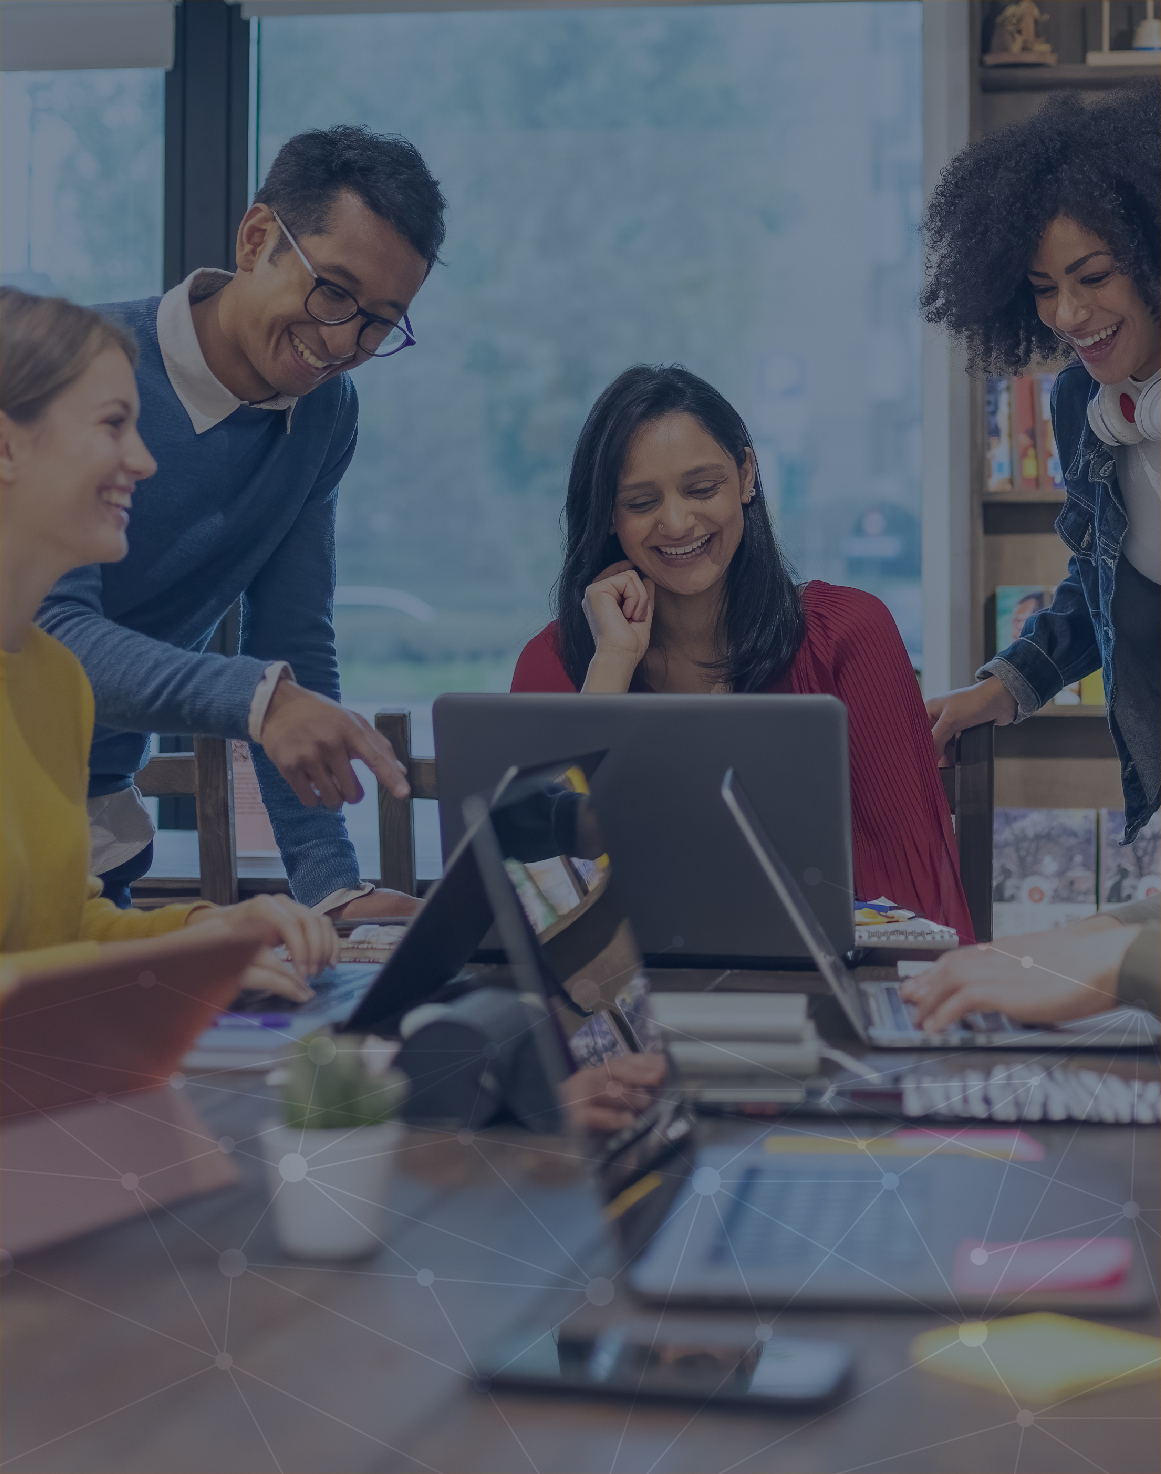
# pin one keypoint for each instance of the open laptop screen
(553, 856)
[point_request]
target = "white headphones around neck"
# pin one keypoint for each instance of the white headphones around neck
(1117, 420)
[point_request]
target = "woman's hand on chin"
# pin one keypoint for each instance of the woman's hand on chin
(618, 605)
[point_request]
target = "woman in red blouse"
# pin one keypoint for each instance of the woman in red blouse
(673, 581)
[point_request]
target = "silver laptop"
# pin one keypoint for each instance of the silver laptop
(951, 1230)
(877, 1011)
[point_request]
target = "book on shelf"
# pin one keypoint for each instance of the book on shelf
(998, 409)
(1044, 869)
(1129, 872)
(1053, 866)
(1051, 477)
(1025, 417)
(1016, 603)
(1022, 456)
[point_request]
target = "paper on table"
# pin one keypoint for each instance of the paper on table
(1038, 1358)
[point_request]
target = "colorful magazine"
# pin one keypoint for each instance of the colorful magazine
(1044, 868)
(1129, 872)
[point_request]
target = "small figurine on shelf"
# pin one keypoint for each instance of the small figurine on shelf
(1018, 37)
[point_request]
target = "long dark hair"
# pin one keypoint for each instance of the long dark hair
(762, 616)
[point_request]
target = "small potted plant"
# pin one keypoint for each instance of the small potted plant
(329, 1158)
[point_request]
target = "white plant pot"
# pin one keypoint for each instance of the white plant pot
(329, 1188)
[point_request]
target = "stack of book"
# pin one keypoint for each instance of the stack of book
(1022, 459)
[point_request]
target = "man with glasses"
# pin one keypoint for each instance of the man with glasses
(248, 408)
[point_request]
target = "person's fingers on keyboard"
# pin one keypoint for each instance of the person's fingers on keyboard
(269, 974)
(310, 940)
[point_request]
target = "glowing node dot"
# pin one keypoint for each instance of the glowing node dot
(1130, 1210)
(177, 1080)
(763, 1332)
(232, 1263)
(293, 1167)
(1025, 1418)
(129, 1181)
(679, 941)
(465, 1137)
(321, 1051)
(490, 1051)
(226, 1144)
(973, 1333)
(864, 1146)
(1025, 962)
(812, 875)
(614, 1089)
(979, 1256)
(599, 1291)
(706, 1181)
(890, 1181)
(223, 1361)
(146, 980)
(425, 1276)
(100, 1097)
(5, 1262)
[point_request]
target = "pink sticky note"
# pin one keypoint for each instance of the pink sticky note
(1017, 1146)
(1046, 1264)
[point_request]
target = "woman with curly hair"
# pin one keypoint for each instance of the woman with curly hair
(673, 580)
(1046, 235)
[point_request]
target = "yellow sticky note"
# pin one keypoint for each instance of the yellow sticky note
(1038, 1358)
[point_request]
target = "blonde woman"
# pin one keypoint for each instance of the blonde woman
(70, 458)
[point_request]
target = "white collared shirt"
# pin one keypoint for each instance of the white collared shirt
(204, 399)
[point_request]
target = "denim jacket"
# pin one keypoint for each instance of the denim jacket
(1075, 635)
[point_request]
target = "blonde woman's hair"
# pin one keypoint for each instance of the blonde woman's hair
(46, 344)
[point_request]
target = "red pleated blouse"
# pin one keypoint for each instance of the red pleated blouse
(902, 839)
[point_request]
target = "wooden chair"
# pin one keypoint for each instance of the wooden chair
(970, 790)
(208, 774)
(396, 825)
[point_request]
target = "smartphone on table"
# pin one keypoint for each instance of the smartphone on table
(684, 1361)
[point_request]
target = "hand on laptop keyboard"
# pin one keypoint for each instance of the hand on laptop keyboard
(310, 941)
(1044, 977)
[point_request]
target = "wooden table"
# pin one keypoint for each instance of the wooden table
(139, 1348)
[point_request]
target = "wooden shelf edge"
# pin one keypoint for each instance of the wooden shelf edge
(1022, 498)
(1056, 712)
(1048, 79)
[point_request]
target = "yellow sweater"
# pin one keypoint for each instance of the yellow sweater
(52, 908)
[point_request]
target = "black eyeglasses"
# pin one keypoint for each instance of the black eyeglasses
(333, 305)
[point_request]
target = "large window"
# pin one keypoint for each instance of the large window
(733, 187)
(81, 171)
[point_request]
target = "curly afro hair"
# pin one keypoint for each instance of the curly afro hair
(1098, 164)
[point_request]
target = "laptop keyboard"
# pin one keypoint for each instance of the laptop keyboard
(889, 1013)
(333, 988)
(798, 1218)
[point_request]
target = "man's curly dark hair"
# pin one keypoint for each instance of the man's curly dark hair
(1099, 164)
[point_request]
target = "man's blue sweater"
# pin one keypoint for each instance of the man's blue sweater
(244, 511)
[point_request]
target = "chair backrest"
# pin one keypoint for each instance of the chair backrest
(208, 774)
(396, 821)
(970, 790)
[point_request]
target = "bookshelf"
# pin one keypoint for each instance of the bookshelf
(1063, 757)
